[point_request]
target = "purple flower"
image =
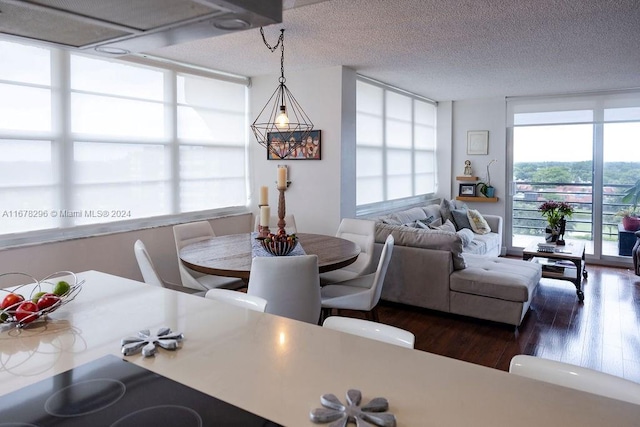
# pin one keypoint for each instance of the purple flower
(555, 211)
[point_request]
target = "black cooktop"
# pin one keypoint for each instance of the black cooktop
(113, 392)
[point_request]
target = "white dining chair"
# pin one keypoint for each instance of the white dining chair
(239, 299)
(290, 226)
(194, 232)
(145, 264)
(290, 284)
(361, 293)
(372, 330)
(362, 233)
(575, 377)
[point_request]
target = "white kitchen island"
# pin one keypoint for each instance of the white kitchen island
(278, 368)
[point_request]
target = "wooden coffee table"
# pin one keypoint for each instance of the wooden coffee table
(566, 262)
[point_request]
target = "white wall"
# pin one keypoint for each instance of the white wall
(314, 197)
(483, 114)
(110, 253)
(444, 135)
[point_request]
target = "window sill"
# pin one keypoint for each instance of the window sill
(32, 238)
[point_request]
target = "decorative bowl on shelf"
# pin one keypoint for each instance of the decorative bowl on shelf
(279, 244)
(34, 299)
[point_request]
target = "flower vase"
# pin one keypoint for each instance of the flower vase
(551, 234)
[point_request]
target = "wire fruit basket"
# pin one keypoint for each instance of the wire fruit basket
(35, 299)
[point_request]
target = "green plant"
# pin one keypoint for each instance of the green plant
(631, 196)
(555, 211)
(483, 188)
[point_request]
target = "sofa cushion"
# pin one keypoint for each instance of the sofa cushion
(460, 219)
(424, 223)
(477, 223)
(446, 206)
(410, 215)
(432, 210)
(502, 278)
(447, 226)
(421, 238)
(484, 244)
(466, 236)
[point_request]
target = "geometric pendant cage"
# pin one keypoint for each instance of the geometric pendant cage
(282, 125)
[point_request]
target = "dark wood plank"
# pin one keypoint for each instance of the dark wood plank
(602, 333)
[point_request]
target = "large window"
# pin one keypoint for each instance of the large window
(86, 140)
(396, 144)
(581, 149)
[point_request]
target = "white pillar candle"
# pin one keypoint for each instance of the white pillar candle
(282, 177)
(264, 195)
(265, 214)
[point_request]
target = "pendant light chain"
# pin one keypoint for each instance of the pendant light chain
(273, 48)
(282, 126)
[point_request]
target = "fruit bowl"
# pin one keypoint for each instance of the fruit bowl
(279, 244)
(34, 299)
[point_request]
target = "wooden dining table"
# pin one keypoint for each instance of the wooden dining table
(231, 255)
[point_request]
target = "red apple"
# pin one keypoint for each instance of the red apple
(27, 312)
(11, 301)
(47, 300)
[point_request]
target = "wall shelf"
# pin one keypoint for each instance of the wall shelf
(467, 178)
(478, 199)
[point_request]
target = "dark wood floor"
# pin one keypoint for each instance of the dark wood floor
(603, 333)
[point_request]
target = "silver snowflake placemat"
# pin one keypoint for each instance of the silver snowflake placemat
(147, 342)
(339, 415)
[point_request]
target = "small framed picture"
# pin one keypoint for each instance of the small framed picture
(467, 190)
(478, 142)
(300, 146)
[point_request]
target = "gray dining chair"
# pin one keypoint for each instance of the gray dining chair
(194, 232)
(361, 293)
(576, 377)
(372, 330)
(238, 299)
(145, 264)
(362, 233)
(290, 284)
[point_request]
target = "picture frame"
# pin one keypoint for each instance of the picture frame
(478, 142)
(467, 190)
(279, 150)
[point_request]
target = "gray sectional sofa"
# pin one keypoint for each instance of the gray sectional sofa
(432, 268)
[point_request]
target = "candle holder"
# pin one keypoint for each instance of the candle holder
(263, 231)
(282, 209)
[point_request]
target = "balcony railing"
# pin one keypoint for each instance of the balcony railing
(528, 221)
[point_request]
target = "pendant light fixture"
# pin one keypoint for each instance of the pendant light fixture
(282, 125)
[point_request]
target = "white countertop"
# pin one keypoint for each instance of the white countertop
(278, 368)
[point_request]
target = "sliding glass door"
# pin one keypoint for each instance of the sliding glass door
(583, 150)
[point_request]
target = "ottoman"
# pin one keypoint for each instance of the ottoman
(497, 289)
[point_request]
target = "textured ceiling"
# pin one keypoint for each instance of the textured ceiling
(445, 49)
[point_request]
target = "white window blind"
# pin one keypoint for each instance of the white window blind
(93, 141)
(395, 144)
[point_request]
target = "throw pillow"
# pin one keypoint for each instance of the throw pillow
(446, 206)
(436, 223)
(447, 226)
(478, 223)
(460, 219)
(466, 235)
(424, 223)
